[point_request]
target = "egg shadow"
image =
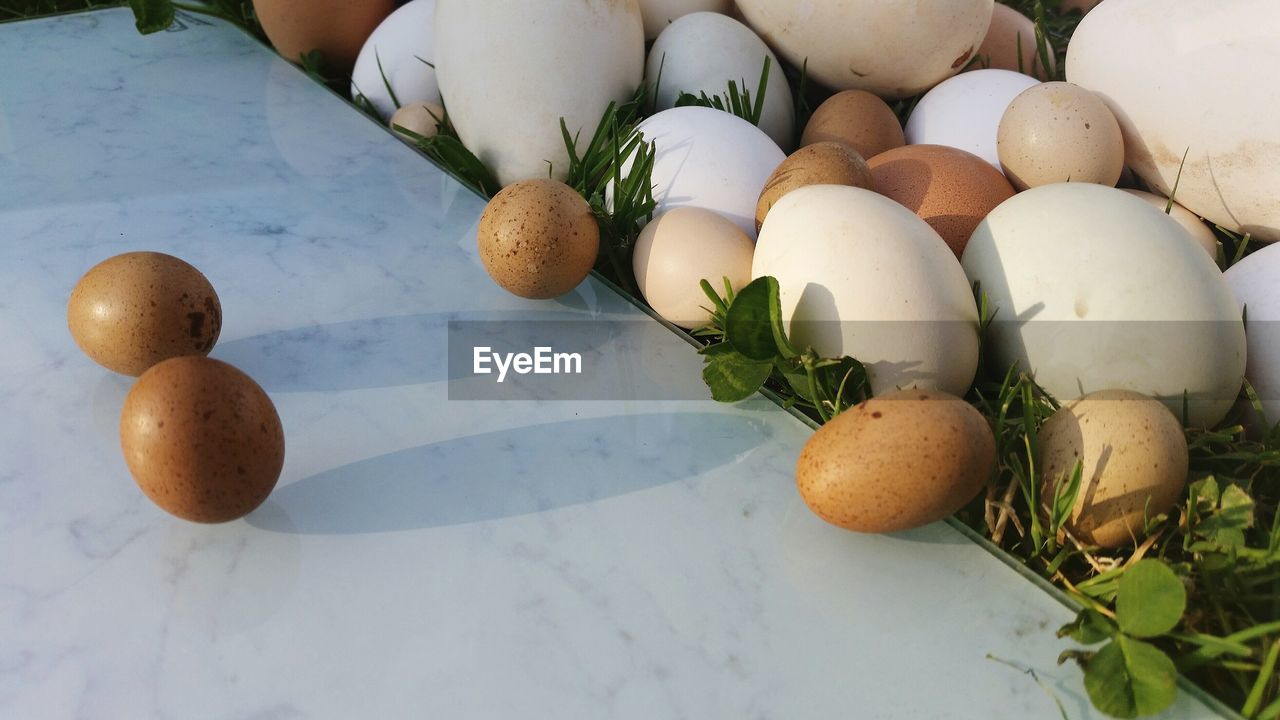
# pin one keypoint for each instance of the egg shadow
(509, 473)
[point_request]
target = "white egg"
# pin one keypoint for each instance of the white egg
(1255, 282)
(658, 14)
(1195, 77)
(964, 112)
(402, 43)
(1095, 289)
(510, 71)
(861, 275)
(1194, 226)
(703, 52)
(681, 248)
(892, 49)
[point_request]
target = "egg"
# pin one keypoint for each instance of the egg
(134, 310)
(1193, 78)
(861, 275)
(896, 462)
(702, 52)
(950, 189)
(873, 45)
(1059, 132)
(679, 249)
(1255, 283)
(510, 72)
(827, 163)
(337, 29)
(202, 440)
(858, 119)
(658, 14)
(1134, 458)
(397, 58)
(1094, 289)
(964, 112)
(1194, 226)
(1011, 44)
(421, 118)
(538, 239)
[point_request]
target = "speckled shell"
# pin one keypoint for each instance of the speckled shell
(1134, 456)
(1008, 31)
(858, 119)
(422, 118)
(202, 440)
(337, 29)
(538, 239)
(896, 462)
(1059, 132)
(948, 188)
(131, 311)
(826, 163)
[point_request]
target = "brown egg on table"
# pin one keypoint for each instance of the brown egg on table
(1011, 45)
(824, 163)
(134, 310)
(337, 29)
(1189, 221)
(858, 119)
(682, 247)
(538, 239)
(202, 439)
(896, 462)
(1058, 132)
(421, 118)
(951, 189)
(1134, 457)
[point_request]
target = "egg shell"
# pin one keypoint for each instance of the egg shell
(421, 118)
(1194, 226)
(703, 52)
(399, 53)
(659, 14)
(1010, 44)
(202, 439)
(858, 119)
(827, 163)
(134, 310)
(1058, 132)
(1134, 459)
(1197, 78)
(861, 275)
(896, 462)
(510, 71)
(336, 28)
(1094, 289)
(1255, 283)
(679, 249)
(964, 112)
(950, 189)
(873, 45)
(538, 239)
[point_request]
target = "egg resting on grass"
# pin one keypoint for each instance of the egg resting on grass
(679, 249)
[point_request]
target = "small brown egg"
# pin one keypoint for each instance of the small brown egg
(824, 163)
(201, 439)
(336, 28)
(948, 188)
(422, 118)
(858, 119)
(131, 311)
(1134, 455)
(1191, 222)
(1009, 34)
(680, 248)
(538, 238)
(896, 462)
(1058, 132)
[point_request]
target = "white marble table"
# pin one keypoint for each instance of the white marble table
(421, 557)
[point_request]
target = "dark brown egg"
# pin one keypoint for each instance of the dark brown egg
(824, 163)
(538, 238)
(337, 29)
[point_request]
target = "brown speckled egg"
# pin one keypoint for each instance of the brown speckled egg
(1134, 456)
(202, 440)
(824, 163)
(1009, 34)
(538, 238)
(131, 311)
(948, 188)
(896, 462)
(422, 118)
(336, 28)
(1058, 132)
(858, 119)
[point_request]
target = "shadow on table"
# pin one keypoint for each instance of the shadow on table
(509, 473)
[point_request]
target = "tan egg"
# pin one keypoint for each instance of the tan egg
(680, 248)
(1134, 457)
(336, 28)
(896, 462)
(1196, 227)
(202, 439)
(1058, 132)
(131, 311)
(422, 118)
(1011, 45)
(538, 238)
(824, 163)
(948, 188)
(858, 119)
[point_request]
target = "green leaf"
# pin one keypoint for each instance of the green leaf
(1128, 678)
(754, 322)
(732, 376)
(1089, 628)
(152, 15)
(1150, 600)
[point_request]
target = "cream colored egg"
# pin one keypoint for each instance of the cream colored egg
(658, 14)
(1194, 226)
(1059, 132)
(679, 249)
(419, 118)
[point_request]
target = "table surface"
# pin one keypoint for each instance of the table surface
(421, 557)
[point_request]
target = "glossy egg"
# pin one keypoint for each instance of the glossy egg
(337, 29)
(858, 119)
(679, 249)
(826, 163)
(538, 239)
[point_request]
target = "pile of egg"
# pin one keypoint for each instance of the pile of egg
(879, 233)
